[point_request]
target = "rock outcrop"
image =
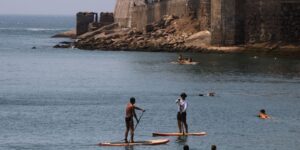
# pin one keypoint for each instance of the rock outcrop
(168, 34)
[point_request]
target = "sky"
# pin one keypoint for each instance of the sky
(54, 7)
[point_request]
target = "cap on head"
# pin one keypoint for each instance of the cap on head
(183, 95)
(186, 147)
(263, 111)
(213, 147)
(132, 100)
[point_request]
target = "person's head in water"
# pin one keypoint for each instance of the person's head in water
(132, 100)
(186, 147)
(263, 111)
(263, 115)
(183, 95)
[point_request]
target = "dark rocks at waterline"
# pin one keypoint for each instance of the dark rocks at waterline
(64, 44)
(61, 46)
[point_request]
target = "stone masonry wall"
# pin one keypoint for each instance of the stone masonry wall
(290, 21)
(83, 19)
(106, 18)
(254, 21)
(202, 9)
(152, 12)
(146, 14)
(262, 21)
(272, 20)
(121, 13)
(231, 22)
(226, 21)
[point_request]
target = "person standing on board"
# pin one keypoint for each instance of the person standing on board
(130, 113)
(181, 115)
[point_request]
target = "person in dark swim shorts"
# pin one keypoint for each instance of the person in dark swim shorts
(130, 113)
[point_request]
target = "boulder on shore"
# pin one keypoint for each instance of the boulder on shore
(202, 38)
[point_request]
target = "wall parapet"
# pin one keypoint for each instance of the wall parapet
(89, 21)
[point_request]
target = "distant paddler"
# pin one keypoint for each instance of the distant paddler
(185, 61)
(130, 113)
(180, 58)
(181, 114)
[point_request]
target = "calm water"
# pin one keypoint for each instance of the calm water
(73, 99)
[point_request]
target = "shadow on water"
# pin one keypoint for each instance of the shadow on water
(182, 140)
(129, 148)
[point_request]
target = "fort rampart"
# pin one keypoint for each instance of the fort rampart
(231, 22)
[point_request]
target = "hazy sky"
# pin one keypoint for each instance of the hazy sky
(54, 7)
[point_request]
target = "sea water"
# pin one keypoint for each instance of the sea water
(73, 99)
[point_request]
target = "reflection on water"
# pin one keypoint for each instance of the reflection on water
(182, 140)
(129, 147)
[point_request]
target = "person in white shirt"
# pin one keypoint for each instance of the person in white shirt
(181, 115)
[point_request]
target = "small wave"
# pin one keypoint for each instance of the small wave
(33, 29)
(43, 29)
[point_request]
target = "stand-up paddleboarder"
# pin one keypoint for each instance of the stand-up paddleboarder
(181, 115)
(130, 113)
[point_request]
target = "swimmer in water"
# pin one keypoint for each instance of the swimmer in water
(263, 115)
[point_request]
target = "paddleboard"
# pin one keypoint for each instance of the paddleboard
(179, 134)
(149, 142)
(185, 63)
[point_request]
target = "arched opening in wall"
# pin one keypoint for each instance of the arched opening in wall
(290, 22)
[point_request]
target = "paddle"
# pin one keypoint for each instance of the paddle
(182, 127)
(139, 120)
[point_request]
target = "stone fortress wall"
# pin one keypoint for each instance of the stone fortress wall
(139, 13)
(231, 22)
(272, 20)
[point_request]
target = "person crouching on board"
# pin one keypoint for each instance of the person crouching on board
(263, 115)
(130, 113)
(180, 58)
(181, 115)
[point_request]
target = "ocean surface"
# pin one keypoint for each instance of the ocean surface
(72, 99)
